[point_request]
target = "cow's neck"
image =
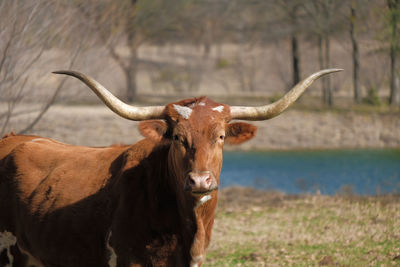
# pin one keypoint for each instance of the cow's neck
(162, 215)
(203, 207)
(204, 213)
(174, 213)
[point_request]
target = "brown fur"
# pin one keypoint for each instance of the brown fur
(62, 201)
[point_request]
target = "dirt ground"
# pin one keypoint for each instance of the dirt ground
(94, 125)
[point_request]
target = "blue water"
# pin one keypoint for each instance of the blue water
(366, 172)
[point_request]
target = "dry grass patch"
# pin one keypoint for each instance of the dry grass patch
(257, 228)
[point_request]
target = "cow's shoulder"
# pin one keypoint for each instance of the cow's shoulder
(141, 151)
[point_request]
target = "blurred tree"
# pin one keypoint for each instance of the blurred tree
(133, 23)
(260, 22)
(27, 30)
(358, 12)
(291, 9)
(203, 22)
(355, 52)
(327, 18)
(394, 20)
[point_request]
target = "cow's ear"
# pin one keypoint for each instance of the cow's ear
(239, 132)
(153, 129)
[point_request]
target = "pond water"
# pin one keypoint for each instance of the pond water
(366, 172)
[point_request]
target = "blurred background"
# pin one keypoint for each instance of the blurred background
(341, 138)
(245, 52)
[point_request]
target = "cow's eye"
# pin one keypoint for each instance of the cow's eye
(180, 140)
(222, 137)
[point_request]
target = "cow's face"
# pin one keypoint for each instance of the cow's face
(197, 130)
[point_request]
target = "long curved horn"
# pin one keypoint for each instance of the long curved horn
(274, 109)
(116, 105)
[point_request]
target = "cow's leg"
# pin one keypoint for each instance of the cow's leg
(112, 256)
(27, 259)
(15, 258)
(20, 260)
(4, 260)
(12, 258)
(7, 240)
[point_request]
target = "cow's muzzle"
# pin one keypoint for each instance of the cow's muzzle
(200, 183)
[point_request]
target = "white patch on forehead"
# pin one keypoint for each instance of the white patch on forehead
(112, 262)
(183, 111)
(219, 108)
(7, 240)
(202, 104)
(32, 261)
(203, 200)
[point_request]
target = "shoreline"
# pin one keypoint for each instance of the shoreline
(228, 148)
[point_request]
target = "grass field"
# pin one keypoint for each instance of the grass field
(256, 228)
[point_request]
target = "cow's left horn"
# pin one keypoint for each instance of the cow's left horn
(116, 105)
(269, 111)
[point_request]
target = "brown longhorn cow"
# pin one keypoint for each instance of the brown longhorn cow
(147, 204)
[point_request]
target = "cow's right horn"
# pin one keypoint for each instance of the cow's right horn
(116, 105)
(274, 109)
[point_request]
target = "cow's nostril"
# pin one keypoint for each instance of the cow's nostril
(191, 181)
(208, 180)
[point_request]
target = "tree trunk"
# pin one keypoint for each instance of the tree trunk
(393, 5)
(328, 88)
(207, 38)
(321, 65)
(131, 74)
(295, 44)
(355, 55)
(393, 88)
(131, 68)
(295, 59)
(324, 62)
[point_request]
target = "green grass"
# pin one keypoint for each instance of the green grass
(272, 229)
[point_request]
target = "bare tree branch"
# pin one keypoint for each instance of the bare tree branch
(51, 101)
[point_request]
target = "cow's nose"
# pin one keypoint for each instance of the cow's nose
(200, 182)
